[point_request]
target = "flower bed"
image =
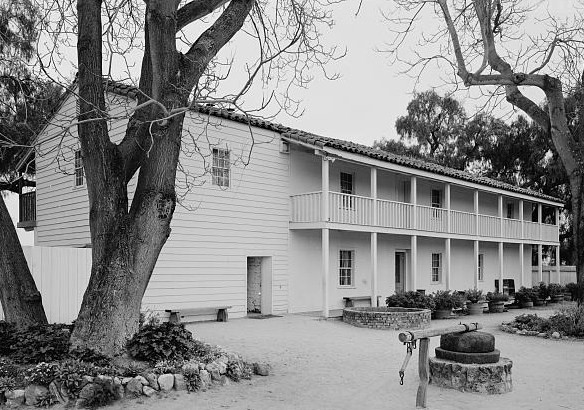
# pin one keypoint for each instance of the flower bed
(565, 323)
(387, 317)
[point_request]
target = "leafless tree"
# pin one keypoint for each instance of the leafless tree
(512, 46)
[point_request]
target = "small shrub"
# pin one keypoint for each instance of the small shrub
(6, 337)
(70, 375)
(569, 321)
(41, 343)
(46, 400)
(168, 366)
(444, 300)
(497, 297)
(410, 300)
(42, 374)
(90, 356)
(555, 289)
(573, 289)
(204, 352)
(7, 383)
(525, 295)
(542, 290)
(192, 379)
(104, 393)
(154, 342)
(474, 295)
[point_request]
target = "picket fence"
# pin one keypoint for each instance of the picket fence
(61, 275)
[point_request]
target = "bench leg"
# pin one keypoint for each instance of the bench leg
(222, 315)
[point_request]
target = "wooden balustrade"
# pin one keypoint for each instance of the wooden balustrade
(360, 210)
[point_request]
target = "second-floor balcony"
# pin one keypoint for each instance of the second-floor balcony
(381, 213)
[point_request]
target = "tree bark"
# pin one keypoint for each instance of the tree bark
(126, 242)
(21, 300)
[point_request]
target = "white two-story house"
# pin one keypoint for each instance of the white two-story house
(277, 220)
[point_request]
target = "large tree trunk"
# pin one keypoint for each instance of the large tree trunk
(577, 187)
(21, 301)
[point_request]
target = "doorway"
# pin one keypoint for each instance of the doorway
(259, 285)
(400, 271)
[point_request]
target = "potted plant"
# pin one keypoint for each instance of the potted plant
(572, 290)
(444, 302)
(541, 294)
(475, 297)
(497, 301)
(556, 292)
(525, 296)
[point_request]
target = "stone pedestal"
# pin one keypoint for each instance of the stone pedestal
(489, 378)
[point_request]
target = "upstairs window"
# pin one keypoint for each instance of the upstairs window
(510, 210)
(79, 177)
(347, 188)
(221, 164)
(436, 198)
(436, 267)
(346, 267)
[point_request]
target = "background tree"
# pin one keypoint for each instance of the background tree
(24, 105)
(491, 36)
(178, 43)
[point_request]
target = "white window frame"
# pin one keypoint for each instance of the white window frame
(436, 268)
(437, 204)
(221, 168)
(481, 267)
(346, 271)
(348, 202)
(78, 173)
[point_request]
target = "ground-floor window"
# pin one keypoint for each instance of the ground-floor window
(481, 267)
(436, 267)
(346, 267)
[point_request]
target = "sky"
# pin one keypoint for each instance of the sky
(372, 92)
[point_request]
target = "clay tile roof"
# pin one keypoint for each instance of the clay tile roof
(321, 142)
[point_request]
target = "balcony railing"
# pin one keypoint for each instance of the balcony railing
(359, 210)
(27, 210)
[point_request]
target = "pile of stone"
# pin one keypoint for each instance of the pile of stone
(148, 384)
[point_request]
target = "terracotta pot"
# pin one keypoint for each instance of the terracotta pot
(557, 298)
(538, 302)
(442, 313)
(496, 307)
(475, 308)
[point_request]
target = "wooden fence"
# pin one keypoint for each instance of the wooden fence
(549, 274)
(61, 275)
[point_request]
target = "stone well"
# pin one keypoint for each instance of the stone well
(393, 318)
(469, 362)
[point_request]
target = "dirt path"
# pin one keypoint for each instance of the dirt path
(331, 365)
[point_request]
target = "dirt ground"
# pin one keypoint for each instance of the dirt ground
(318, 364)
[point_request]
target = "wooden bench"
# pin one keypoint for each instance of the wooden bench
(350, 300)
(177, 315)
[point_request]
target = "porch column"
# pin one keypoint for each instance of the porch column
(558, 267)
(500, 209)
(414, 200)
(374, 269)
(522, 264)
(447, 263)
(325, 250)
(540, 262)
(476, 211)
(476, 264)
(324, 203)
(539, 220)
(501, 267)
(325, 271)
(414, 262)
(447, 206)
(521, 217)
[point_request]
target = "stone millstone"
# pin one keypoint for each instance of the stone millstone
(468, 342)
(468, 358)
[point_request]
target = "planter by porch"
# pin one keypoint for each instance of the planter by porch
(527, 304)
(496, 306)
(442, 313)
(557, 298)
(475, 308)
(538, 302)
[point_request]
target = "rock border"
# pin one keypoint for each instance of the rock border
(507, 328)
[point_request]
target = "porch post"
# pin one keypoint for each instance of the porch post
(325, 271)
(500, 208)
(325, 254)
(447, 205)
(476, 264)
(521, 217)
(476, 210)
(558, 267)
(414, 200)
(447, 263)
(374, 269)
(540, 261)
(539, 220)
(522, 264)
(501, 267)
(414, 262)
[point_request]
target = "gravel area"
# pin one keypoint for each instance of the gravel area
(327, 364)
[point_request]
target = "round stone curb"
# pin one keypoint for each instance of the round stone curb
(393, 318)
(492, 378)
